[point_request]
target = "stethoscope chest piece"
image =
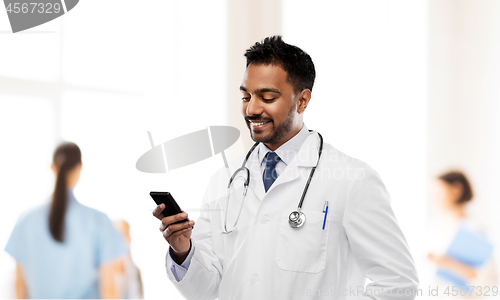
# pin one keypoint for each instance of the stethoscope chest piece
(296, 219)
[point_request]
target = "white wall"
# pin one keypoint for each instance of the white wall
(464, 94)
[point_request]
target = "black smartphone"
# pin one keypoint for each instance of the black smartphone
(171, 206)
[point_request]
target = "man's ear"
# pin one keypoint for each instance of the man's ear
(303, 100)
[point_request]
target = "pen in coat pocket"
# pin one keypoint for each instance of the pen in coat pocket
(325, 211)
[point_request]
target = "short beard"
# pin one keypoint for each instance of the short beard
(278, 132)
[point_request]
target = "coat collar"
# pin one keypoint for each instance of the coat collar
(308, 153)
(288, 150)
(306, 157)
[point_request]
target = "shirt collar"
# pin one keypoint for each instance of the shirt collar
(71, 197)
(287, 151)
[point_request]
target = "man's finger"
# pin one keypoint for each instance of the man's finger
(169, 231)
(180, 232)
(158, 211)
(173, 228)
(172, 219)
(177, 227)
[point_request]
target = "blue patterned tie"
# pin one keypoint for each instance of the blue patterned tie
(270, 174)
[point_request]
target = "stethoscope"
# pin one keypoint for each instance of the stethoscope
(297, 218)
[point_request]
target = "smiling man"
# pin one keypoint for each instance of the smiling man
(296, 222)
(274, 115)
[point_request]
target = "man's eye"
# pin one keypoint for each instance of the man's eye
(268, 100)
(246, 99)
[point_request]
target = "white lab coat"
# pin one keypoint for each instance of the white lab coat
(267, 259)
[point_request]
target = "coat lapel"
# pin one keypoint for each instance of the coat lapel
(305, 158)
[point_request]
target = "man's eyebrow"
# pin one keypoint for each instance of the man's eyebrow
(267, 90)
(263, 90)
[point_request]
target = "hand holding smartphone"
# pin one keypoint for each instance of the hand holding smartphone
(171, 206)
(176, 231)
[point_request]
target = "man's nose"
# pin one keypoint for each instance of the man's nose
(254, 107)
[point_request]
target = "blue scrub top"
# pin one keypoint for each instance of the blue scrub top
(69, 269)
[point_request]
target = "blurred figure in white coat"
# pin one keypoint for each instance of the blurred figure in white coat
(452, 196)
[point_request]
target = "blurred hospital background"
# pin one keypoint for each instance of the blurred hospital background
(410, 87)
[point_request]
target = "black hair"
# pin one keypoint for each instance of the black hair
(297, 63)
(66, 157)
(460, 178)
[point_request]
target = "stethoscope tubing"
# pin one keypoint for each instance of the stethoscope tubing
(247, 182)
(299, 207)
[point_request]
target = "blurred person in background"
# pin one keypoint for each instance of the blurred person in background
(62, 248)
(460, 251)
(129, 282)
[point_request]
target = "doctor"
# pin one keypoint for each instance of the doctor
(344, 230)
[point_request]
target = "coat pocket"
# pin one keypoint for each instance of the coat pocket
(302, 249)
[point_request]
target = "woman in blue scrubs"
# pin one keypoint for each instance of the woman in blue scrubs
(64, 249)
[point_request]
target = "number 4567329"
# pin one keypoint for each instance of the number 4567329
(471, 291)
(34, 8)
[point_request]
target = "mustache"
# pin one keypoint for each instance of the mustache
(257, 119)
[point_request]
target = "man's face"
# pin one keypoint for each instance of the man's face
(269, 105)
